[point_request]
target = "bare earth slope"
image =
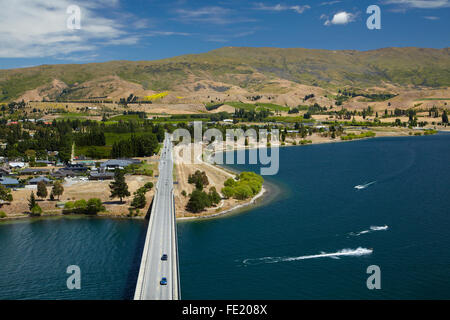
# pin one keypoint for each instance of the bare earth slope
(232, 72)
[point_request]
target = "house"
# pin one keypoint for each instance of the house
(95, 175)
(63, 173)
(9, 182)
(34, 171)
(47, 162)
(118, 163)
(4, 171)
(76, 167)
(17, 165)
(36, 180)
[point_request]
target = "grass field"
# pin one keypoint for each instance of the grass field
(257, 106)
(125, 117)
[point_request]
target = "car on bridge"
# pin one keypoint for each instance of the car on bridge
(163, 281)
(164, 257)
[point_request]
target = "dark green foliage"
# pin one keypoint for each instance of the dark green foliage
(57, 189)
(92, 207)
(148, 186)
(31, 201)
(198, 201)
(142, 146)
(139, 200)
(214, 196)
(444, 117)
(119, 187)
(5, 194)
(199, 179)
(41, 190)
(247, 185)
(36, 210)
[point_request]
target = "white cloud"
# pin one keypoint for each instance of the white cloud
(38, 28)
(329, 3)
(341, 18)
(431, 18)
(421, 4)
(211, 15)
(280, 7)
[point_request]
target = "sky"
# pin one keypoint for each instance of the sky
(36, 32)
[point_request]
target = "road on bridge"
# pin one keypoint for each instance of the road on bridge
(161, 238)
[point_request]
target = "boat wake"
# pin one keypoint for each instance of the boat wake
(335, 255)
(363, 186)
(372, 229)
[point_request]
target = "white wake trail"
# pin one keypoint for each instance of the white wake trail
(363, 186)
(371, 229)
(344, 252)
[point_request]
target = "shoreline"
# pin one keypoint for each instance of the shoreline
(226, 171)
(228, 211)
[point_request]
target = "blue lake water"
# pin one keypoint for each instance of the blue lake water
(279, 250)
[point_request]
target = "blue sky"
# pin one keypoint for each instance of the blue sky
(34, 32)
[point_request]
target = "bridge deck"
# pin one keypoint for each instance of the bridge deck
(161, 239)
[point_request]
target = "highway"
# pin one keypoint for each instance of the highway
(161, 239)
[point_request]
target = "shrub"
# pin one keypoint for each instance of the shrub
(228, 192)
(69, 205)
(248, 184)
(80, 206)
(214, 196)
(199, 179)
(230, 182)
(139, 200)
(36, 210)
(148, 186)
(94, 206)
(198, 201)
(242, 192)
(2, 214)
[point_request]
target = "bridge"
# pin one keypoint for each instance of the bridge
(161, 239)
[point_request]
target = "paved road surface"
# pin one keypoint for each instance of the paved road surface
(161, 238)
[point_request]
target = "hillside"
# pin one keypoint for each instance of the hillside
(232, 70)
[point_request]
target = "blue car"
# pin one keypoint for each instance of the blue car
(164, 257)
(163, 281)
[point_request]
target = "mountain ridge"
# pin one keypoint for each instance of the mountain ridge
(242, 67)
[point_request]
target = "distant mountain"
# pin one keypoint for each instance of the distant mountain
(247, 68)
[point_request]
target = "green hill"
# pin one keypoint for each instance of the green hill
(246, 67)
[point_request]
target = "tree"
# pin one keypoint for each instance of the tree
(119, 187)
(57, 189)
(32, 201)
(198, 201)
(5, 194)
(139, 200)
(444, 117)
(214, 196)
(199, 179)
(94, 206)
(41, 190)
(36, 210)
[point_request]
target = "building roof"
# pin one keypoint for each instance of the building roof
(101, 175)
(17, 164)
(117, 163)
(8, 181)
(32, 170)
(39, 179)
